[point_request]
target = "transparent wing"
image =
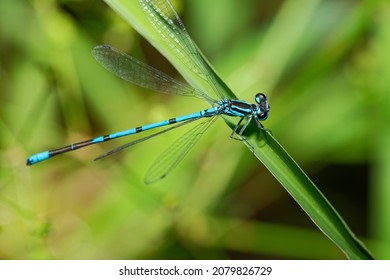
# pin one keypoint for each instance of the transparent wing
(170, 158)
(139, 73)
(167, 23)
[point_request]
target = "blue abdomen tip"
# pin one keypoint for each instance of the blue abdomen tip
(37, 158)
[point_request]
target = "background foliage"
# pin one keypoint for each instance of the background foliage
(325, 67)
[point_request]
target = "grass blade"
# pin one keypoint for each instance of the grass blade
(261, 142)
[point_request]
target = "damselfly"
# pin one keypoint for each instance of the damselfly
(139, 73)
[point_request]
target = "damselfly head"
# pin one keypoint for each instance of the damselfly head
(262, 107)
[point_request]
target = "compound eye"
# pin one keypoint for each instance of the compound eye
(262, 116)
(260, 98)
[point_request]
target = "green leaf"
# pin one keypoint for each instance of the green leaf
(156, 27)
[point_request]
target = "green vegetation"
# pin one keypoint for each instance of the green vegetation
(324, 68)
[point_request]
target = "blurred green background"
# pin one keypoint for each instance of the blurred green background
(325, 66)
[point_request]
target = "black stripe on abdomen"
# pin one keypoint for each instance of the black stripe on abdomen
(173, 120)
